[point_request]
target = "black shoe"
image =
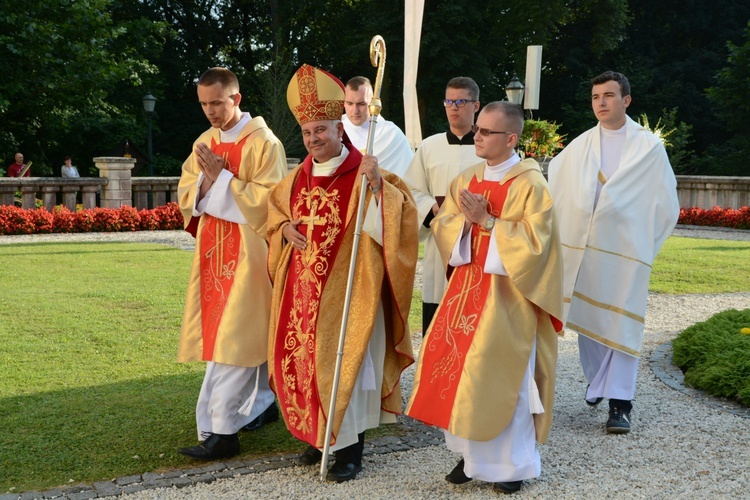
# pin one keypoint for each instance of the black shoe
(340, 472)
(457, 475)
(508, 487)
(214, 447)
(619, 420)
(594, 402)
(269, 415)
(310, 456)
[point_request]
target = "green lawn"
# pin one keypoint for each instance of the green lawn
(90, 389)
(692, 265)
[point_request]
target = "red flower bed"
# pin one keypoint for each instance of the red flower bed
(15, 220)
(717, 217)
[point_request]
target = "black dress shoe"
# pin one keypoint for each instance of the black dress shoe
(457, 475)
(214, 447)
(310, 456)
(270, 414)
(341, 472)
(508, 487)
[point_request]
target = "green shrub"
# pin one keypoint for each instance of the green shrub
(714, 355)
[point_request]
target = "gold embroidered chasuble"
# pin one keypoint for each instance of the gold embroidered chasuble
(519, 309)
(229, 264)
(310, 286)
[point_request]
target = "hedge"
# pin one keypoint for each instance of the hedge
(15, 220)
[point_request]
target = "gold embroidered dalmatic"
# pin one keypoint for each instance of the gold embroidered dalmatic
(234, 311)
(309, 291)
(519, 309)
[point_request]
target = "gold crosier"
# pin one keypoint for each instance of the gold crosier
(377, 58)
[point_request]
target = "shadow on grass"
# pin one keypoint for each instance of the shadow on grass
(108, 431)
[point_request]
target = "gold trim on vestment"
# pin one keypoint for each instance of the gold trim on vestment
(566, 300)
(572, 247)
(606, 251)
(608, 307)
(618, 255)
(602, 340)
(602, 178)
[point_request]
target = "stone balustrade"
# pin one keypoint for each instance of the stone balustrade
(115, 188)
(47, 189)
(164, 190)
(704, 191)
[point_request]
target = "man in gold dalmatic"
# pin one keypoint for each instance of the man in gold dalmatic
(486, 371)
(223, 194)
(311, 223)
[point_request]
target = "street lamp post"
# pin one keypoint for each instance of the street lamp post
(149, 103)
(514, 90)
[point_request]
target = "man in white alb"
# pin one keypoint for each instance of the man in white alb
(390, 146)
(439, 159)
(616, 200)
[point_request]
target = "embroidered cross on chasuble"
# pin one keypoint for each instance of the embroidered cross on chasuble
(220, 249)
(454, 325)
(321, 204)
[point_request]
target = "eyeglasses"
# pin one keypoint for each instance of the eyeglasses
(485, 132)
(460, 103)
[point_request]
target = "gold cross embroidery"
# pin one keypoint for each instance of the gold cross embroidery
(313, 219)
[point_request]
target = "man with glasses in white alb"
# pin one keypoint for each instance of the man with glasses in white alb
(439, 159)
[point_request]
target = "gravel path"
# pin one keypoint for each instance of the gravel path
(680, 446)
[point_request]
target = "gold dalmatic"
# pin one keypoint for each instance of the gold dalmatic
(320, 204)
(220, 249)
(452, 330)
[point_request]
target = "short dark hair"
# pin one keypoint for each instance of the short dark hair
(613, 76)
(513, 113)
(226, 78)
(357, 81)
(67, 158)
(464, 82)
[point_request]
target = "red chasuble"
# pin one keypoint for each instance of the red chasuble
(220, 248)
(452, 329)
(321, 204)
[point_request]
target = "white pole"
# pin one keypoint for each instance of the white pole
(533, 76)
(413, 10)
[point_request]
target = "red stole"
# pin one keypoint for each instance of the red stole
(452, 329)
(220, 248)
(321, 203)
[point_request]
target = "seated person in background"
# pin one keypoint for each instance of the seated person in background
(69, 170)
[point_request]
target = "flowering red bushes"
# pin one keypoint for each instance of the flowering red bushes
(15, 220)
(717, 217)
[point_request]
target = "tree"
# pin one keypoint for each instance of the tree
(62, 62)
(669, 50)
(731, 97)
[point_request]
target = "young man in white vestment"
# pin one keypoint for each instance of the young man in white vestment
(390, 146)
(486, 372)
(616, 200)
(439, 159)
(223, 193)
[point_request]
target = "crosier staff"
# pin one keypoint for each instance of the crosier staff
(377, 58)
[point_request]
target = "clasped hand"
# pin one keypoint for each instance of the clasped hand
(473, 206)
(209, 163)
